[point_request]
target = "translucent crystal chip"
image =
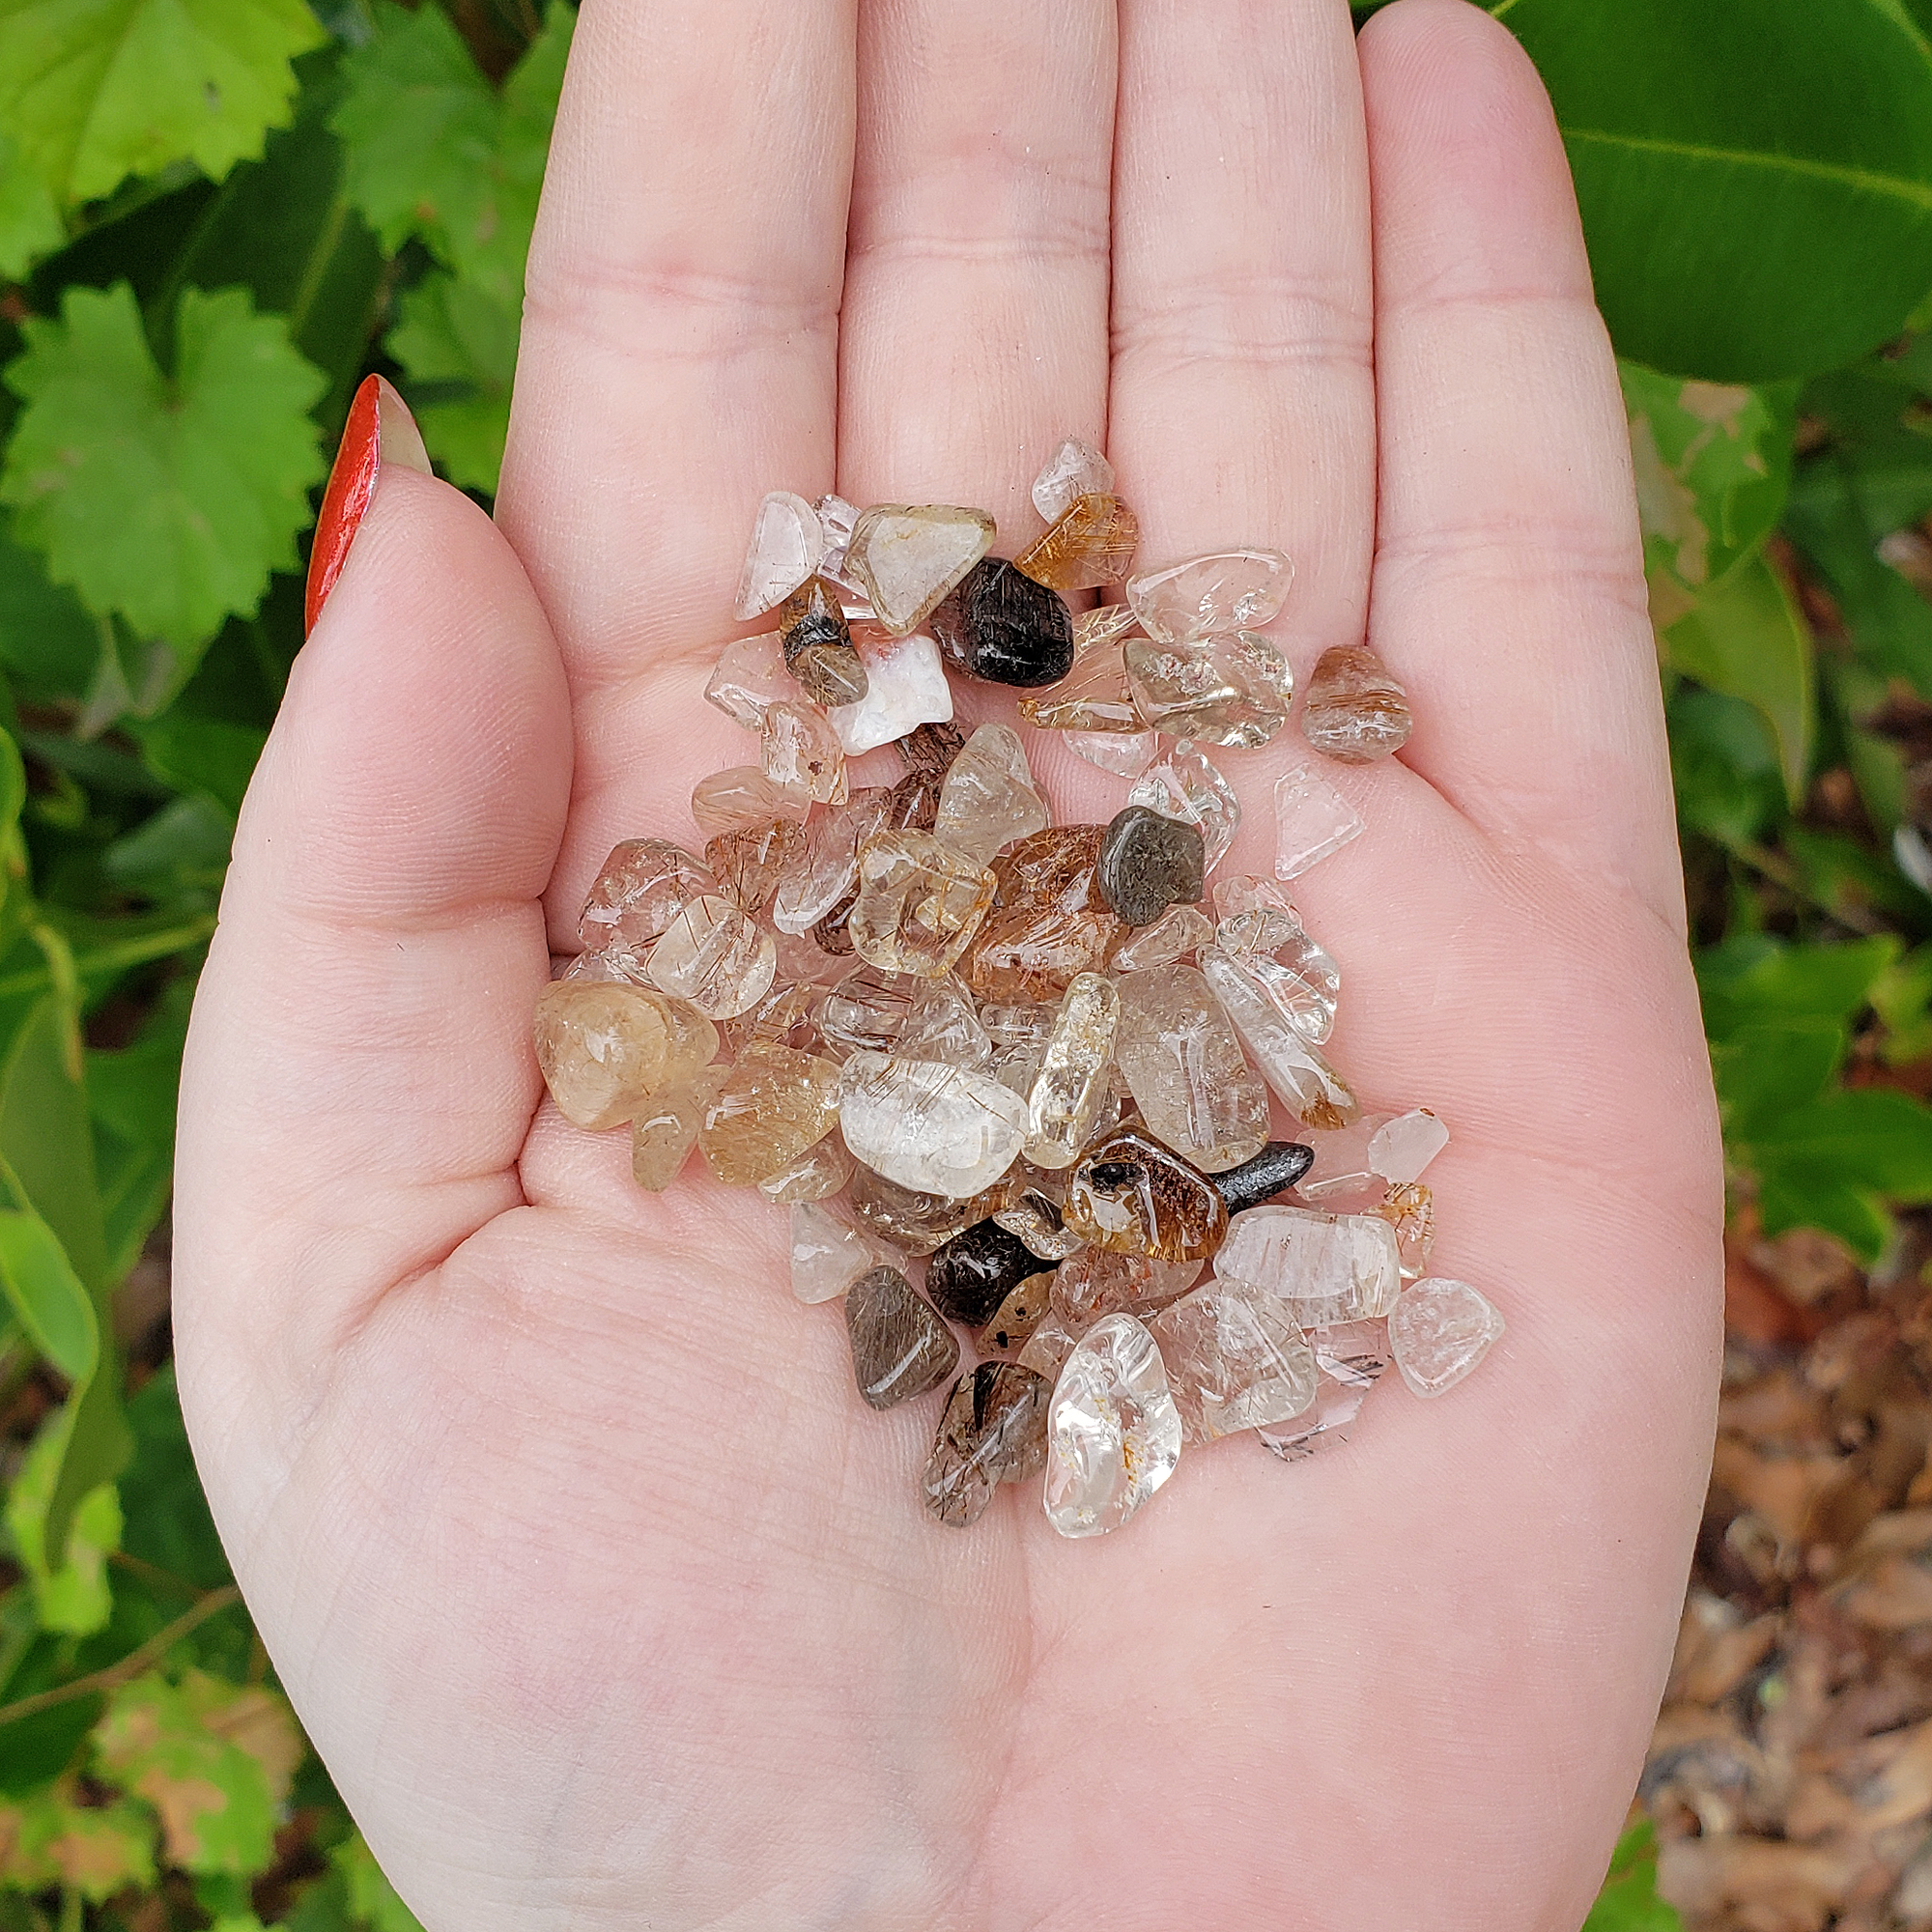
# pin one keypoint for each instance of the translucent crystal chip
(829, 1253)
(604, 1048)
(1350, 1357)
(1113, 1433)
(1409, 1208)
(750, 860)
(1232, 691)
(1235, 1360)
(713, 955)
(1326, 1268)
(787, 545)
(901, 1347)
(1095, 695)
(1439, 1329)
(1125, 754)
(1312, 820)
(919, 903)
(993, 1432)
(907, 556)
(1071, 1085)
(1103, 624)
(914, 1220)
(1133, 1196)
(751, 676)
(1091, 542)
(1226, 590)
(989, 798)
(905, 687)
(1074, 469)
(801, 752)
(774, 1104)
(817, 1174)
(1289, 1062)
(644, 884)
(1355, 710)
(1098, 1281)
(825, 868)
(1400, 1148)
(931, 1126)
(1185, 1068)
(836, 519)
(664, 1130)
(1178, 931)
(873, 1010)
(743, 795)
(1186, 784)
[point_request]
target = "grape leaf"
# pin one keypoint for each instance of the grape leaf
(372, 1899)
(73, 1599)
(50, 1837)
(168, 501)
(96, 90)
(458, 349)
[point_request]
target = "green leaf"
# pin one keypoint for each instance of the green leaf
(1713, 465)
(1764, 1072)
(131, 1094)
(74, 1599)
(213, 1759)
(372, 1899)
(1902, 998)
(204, 756)
(1745, 638)
(46, 1293)
(166, 502)
(181, 854)
(1752, 981)
(96, 90)
(456, 346)
(168, 1520)
(1744, 222)
(1629, 1900)
(1723, 765)
(52, 1838)
(48, 643)
(1890, 624)
(30, 224)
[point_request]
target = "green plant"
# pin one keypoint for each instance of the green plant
(213, 217)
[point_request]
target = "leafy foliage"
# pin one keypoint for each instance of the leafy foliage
(1629, 1900)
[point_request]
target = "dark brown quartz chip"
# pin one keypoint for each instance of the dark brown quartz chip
(970, 1275)
(1148, 863)
(819, 645)
(899, 1347)
(997, 624)
(1279, 1165)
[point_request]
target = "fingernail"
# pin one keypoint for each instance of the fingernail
(379, 431)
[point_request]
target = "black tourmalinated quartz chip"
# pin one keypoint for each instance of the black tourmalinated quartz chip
(1280, 1164)
(1148, 862)
(970, 1275)
(1002, 627)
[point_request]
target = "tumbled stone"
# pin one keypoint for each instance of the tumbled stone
(1148, 863)
(970, 1275)
(899, 1347)
(1317, 1095)
(713, 955)
(750, 860)
(801, 962)
(743, 795)
(1018, 1050)
(1349, 1357)
(873, 1010)
(919, 903)
(1312, 820)
(989, 798)
(1093, 696)
(914, 1220)
(927, 1125)
(1278, 1166)
(1002, 627)
(1098, 1281)
(1113, 1433)
(824, 869)
(1071, 1084)
(1400, 1148)
(644, 884)
(1341, 1180)
(600, 968)
(819, 645)
(1048, 924)
(1356, 711)
(828, 1253)
(1104, 624)
(1074, 469)
(908, 557)
(993, 1432)
(1188, 786)
(1252, 915)
(1125, 754)
(1011, 1325)
(1438, 1330)
(817, 1175)
(751, 676)
(1232, 691)
(1235, 1360)
(800, 752)
(1328, 1267)
(1091, 542)
(774, 1104)
(837, 521)
(604, 1048)
(931, 747)
(1179, 930)
(1411, 1210)
(1132, 1194)
(1227, 590)
(1046, 1350)
(1185, 1068)
(1035, 1217)
(786, 545)
(665, 1129)
(905, 687)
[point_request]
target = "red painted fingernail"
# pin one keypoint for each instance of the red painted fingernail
(379, 431)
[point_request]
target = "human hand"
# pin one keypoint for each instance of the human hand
(605, 1600)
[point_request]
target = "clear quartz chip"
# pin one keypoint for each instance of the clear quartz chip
(829, 1253)
(1071, 1085)
(1355, 710)
(1325, 1267)
(1095, 695)
(1398, 1150)
(836, 519)
(920, 902)
(1226, 590)
(1188, 786)
(1179, 930)
(644, 884)
(1312, 820)
(1409, 1208)
(825, 869)
(713, 955)
(931, 1126)
(1297, 1070)
(989, 798)
(1113, 1433)
(743, 795)
(787, 545)
(905, 687)
(1125, 754)
(1229, 690)
(1438, 1330)
(1074, 469)
(751, 677)
(907, 556)
(1350, 1356)
(1104, 624)
(1185, 1069)
(1236, 1359)
(801, 752)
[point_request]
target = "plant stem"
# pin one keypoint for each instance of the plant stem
(118, 958)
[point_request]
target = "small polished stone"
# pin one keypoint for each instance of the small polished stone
(1235, 1360)
(774, 1104)
(1002, 628)
(1349, 1357)
(829, 1253)
(1113, 1433)
(1074, 469)
(1046, 1350)
(913, 1220)
(715, 957)
(914, 799)
(786, 549)
(1035, 1216)
(1227, 590)
(905, 687)
(1125, 754)
(665, 1129)
(1328, 1267)
(1148, 863)
(750, 860)
(1188, 786)
(1341, 1180)
(1438, 1331)
(873, 1010)
(993, 1432)
(1317, 1095)
(970, 1275)
(941, 1129)
(1011, 1325)
(1065, 1102)
(1179, 930)
(1103, 624)
(644, 884)
(604, 1048)
(1252, 915)
(824, 869)
(1278, 1166)
(931, 747)
(1091, 543)
(1409, 1208)
(1131, 1194)
(743, 795)
(1093, 696)
(899, 1347)
(919, 902)
(1049, 922)
(1356, 711)
(837, 521)
(1184, 1067)
(989, 798)
(908, 557)
(1098, 1281)
(1229, 690)
(800, 752)
(817, 1175)
(1312, 820)
(751, 676)
(1401, 1149)
(829, 674)
(819, 645)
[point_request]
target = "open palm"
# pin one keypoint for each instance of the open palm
(603, 1597)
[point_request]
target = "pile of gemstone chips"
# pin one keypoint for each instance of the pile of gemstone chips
(934, 1024)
